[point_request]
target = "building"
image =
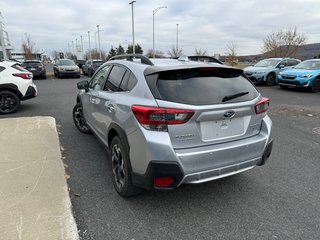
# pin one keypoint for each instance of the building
(5, 46)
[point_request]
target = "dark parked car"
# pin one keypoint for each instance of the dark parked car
(80, 63)
(66, 67)
(36, 67)
(91, 66)
(206, 59)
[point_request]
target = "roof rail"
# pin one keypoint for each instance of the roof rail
(130, 57)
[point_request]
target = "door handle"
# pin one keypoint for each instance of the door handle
(110, 108)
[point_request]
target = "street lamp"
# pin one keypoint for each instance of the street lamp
(133, 44)
(99, 40)
(154, 12)
(177, 45)
(89, 45)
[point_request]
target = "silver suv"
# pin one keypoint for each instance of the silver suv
(169, 122)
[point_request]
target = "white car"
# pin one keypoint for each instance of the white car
(16, 85)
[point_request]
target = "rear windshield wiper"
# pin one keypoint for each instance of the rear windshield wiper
(230, 97)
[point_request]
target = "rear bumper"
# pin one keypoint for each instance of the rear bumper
(31, 92)
(202, 164)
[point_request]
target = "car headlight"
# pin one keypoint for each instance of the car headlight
(260, 72)
(61, 69)
(306, 76)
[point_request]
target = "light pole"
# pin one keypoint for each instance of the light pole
(89, 46)
(153, 13)
(72, 49)
(99, 41)
(133, 43)
(81, 47)
(177, 45)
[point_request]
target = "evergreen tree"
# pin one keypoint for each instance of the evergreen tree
(112, 53)
(138, 49)
(120, 50)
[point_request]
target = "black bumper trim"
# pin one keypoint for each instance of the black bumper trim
(154, 169)
(31, 93)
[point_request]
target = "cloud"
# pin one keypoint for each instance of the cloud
(206, 24)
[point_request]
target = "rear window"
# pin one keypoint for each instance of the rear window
(31, 63)
(19, 68)
(205, 86)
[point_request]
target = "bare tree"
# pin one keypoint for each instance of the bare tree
(232, 58)
(55, 54)
(174, 52)
(200, 52)
(283, 43)
(28, 47)
(158, 54)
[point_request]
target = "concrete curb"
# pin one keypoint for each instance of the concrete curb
(34, 199)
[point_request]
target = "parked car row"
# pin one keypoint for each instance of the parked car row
(286, 72)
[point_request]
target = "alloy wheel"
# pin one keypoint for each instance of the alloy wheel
(118, 167)
(79, 119)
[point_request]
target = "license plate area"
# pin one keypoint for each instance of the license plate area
(222, 129)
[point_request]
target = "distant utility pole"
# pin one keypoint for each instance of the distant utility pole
(90, 54)
(133, 43)
(177, 45)
(99, 41)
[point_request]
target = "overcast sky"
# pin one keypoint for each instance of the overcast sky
(203, 24)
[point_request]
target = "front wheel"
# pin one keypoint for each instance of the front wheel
(270, 80)
(121, 169)
(316, 86)
(9, 102)
(79, 119)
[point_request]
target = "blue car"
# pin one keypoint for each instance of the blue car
(304, 75)
(266, 70)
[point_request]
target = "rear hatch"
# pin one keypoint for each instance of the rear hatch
(222, 100)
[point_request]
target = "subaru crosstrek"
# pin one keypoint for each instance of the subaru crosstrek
(266, 70)
(304, 75)
(16, 85)
(170, 122)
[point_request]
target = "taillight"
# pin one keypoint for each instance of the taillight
(164, 182)
(262, 106)
(23, 75)
(157, 119)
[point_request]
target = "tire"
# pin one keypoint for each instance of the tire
(9, 102)
(270, 79)
(284, 87)
(79, 120)
(121, 170)
(58, 75)
(316, 86)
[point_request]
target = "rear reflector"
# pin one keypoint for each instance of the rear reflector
(262, 106)
(23, 75)
(164, 182)
(154, 118)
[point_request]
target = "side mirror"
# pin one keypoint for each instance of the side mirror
(281, 66)
(83, 85)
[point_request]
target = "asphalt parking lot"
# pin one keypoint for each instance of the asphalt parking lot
(280, 200)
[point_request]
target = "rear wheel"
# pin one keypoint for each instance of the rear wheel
(121, 169)
(9, 101)
(316, 86)
(79, 119)
(270, 80)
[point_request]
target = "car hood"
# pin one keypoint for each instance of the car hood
(299, 72)
(256, 69)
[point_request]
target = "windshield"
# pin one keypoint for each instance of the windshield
(267, 63)
(66, 62)
(309, 65)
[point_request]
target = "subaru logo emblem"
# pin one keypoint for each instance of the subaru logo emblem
(229, 114)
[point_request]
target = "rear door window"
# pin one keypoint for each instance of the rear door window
(114, 80)
(204, 86)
